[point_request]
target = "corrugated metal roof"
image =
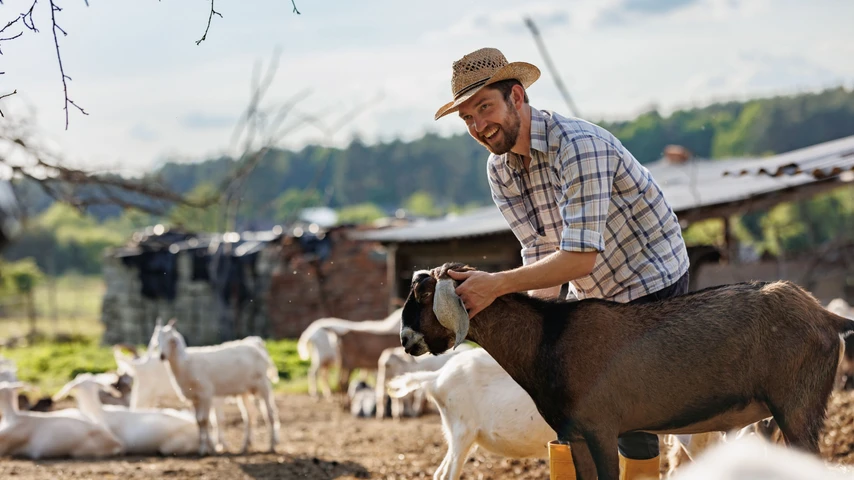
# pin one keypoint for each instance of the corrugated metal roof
(481, 221)
(695, 184)
(820, 161)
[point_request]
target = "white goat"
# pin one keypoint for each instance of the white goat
(479, 404)
(236, 368)
(750, 458)
(321, 347)
(142, 431)
(154, 386)
(348, 354)
(394, 362)
(50, 434)
(840, 307)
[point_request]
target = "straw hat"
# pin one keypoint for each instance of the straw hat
(481, 68)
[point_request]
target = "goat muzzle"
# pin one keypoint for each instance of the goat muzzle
(412, 342)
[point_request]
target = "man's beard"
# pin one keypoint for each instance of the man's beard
(509, 133)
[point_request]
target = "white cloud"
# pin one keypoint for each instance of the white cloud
(149, 89)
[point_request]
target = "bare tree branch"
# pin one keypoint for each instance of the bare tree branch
(26, 19)
(4, 96)
(22, 17)
(77, 187)
(213, 12)
(27, 158)
(53, 9)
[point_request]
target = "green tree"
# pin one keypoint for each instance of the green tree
(21, 277)
(421, 203)
(360, 213)
(288, 205)
(210, 219)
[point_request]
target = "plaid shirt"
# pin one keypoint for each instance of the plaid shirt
(585, 192)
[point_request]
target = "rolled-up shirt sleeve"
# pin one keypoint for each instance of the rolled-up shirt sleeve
(509, 201)
(587, 165)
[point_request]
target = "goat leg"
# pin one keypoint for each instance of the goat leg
(605, 452)
(203, 411)
(585, 466)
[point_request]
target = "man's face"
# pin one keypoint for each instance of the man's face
(491, 120)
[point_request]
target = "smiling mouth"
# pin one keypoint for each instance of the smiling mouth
(489, 135)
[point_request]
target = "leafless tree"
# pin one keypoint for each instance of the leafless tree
(25, 156)
(23, 22)
(261, 128)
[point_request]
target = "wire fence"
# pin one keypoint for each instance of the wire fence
(67, 306)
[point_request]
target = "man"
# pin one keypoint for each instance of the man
(583, 208)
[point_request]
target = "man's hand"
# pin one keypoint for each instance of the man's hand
(478, 290)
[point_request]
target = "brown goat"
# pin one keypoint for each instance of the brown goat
(360, 349)
(713, 360)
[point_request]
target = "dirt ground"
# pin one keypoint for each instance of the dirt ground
(321, 441)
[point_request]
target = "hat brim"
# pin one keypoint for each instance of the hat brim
(526, 73)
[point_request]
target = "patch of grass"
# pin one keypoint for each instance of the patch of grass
(47, 365)
(71, 307)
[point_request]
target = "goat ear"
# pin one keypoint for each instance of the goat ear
(450, 311)
(171, 322)
(65, 390)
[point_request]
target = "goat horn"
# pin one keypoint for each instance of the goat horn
(450, 311)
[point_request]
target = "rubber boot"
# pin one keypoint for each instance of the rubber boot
(631, 469)
(560, 462)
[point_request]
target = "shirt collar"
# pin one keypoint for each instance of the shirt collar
(538, 141)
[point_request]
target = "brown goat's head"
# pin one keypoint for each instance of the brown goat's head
(434, 318)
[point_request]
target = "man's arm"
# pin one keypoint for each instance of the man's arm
(587, 164)
(480, 289)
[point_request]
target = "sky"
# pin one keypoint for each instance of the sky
(382, 68)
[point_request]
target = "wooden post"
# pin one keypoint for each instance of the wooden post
(391, 276)
(730, 242)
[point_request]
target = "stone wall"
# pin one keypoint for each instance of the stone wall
(296, 288)
(129, 317)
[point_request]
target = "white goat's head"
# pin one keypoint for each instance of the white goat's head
(169, 340)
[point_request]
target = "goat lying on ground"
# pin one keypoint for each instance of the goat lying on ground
(144, 431)
(230, 369)
(480, 405)
(713, 360)
(9, 373)
(38, 435)
(362, 400)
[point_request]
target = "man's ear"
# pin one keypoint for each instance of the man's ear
(517, 95)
